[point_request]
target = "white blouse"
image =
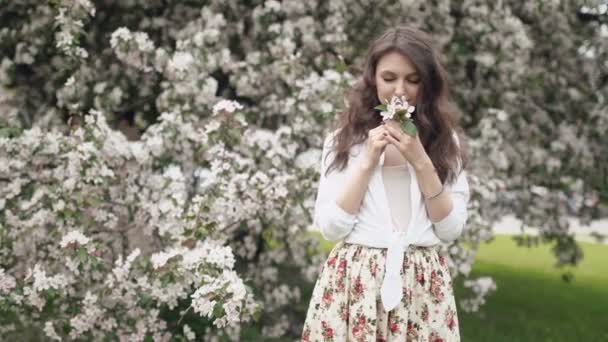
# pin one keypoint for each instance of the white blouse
(373, 225)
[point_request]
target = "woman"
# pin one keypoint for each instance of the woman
(391, 198)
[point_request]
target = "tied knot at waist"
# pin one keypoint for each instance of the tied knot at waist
(396, 245)
(391, 291)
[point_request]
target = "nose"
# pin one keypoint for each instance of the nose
(400, 89)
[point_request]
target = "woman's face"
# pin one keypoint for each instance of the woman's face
(396, 76)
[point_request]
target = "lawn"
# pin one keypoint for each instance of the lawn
(532, 302)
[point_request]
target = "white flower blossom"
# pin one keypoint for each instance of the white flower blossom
(226, 106)
(180, 62)
(70, 81)
(74, 237)
(160, 259)
(7, 282)
(395, 105)
(49, 331)
(43, 282)
(188, 333)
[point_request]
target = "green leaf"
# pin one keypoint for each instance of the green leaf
(166, 278)
(218, 310)
(341, 67)
(82, 255)
(381, 107)
(9, 132)
(409, 127)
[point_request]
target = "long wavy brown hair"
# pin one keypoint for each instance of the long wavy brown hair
(435, 116)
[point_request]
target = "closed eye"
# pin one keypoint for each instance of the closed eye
(416, 81)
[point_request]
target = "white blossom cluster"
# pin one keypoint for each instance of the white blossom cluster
(133, 48)
(481, 287)
(148, 217)
(74, 238)
(71, 20)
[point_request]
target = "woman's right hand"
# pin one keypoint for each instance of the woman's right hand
(376, 142)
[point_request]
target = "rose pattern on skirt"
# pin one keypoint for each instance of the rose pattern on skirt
(346, 304)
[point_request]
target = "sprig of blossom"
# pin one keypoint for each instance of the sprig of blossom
(180, 64)
(400, 110)
(74, 238)
(133, 48)
(70, 21)
(226, 106)
(481, 288)
(7, 282)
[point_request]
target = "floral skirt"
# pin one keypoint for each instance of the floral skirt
(346, 304)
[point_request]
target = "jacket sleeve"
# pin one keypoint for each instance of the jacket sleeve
(450, 227)
(333, 222)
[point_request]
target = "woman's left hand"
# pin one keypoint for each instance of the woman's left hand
(410, 147)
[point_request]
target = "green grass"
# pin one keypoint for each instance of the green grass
(532, 302)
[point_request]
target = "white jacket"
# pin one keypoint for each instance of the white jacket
(372, 225)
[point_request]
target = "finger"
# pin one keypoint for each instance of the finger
(381, 137)
(373, 132)
(396, 133)
(380, 140)
(384, 134)
(381, 144)
(380, 132)
(381, 129)
(378, 129)
(375, 136)
(391, 122)
(396, 127)
(393, 140)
